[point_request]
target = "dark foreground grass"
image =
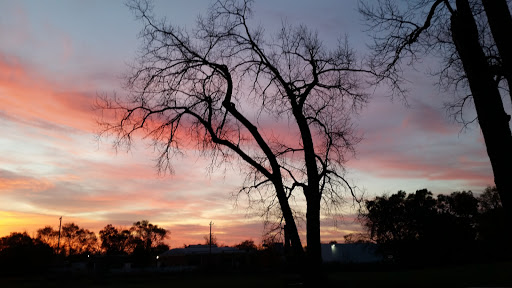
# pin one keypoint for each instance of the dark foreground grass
(148, 280)
(470, 275)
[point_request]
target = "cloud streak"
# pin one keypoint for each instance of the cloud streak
(30, 97)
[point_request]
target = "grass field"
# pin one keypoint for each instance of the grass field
(471, 275)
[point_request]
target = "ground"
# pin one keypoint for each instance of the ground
(470, 275)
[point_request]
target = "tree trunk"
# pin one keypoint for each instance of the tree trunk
(291, 227)
(500, 22)
(311, 192)
(314, 252)
(493, 120)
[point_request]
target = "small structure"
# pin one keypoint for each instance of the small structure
(351, 253)
(200, 255)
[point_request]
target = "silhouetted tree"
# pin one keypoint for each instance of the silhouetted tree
(160, 248)
(453, 231)
(147, 234)
(70, 238)
(214, 241)
(76, 240)
(500, 22)
(418, 227)
(492, 227)
(473, 37)
(387, 218)
(49, 236)
(247, 245)
(114, 241)
(19, 253)
(489, 200)
(212, 87)
(461, 215)
(147, 241)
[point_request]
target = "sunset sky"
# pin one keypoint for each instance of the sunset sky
(56, 57)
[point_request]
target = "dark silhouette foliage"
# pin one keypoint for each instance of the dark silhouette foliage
(49, 236)
(143, 241)
(247, 245)
(78, 241)
(147, 235)
(115, 241)
(418, 228)
(492, 225)
(147, 240)
(21, 254)
(74, 240)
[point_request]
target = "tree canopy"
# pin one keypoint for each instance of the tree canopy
(419, 227)
(19, 253)
(74, 240)
(143, 238)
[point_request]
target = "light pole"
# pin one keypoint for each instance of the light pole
(211, 223)
(58, 241)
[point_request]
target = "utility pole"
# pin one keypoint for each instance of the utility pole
(211, 223)
(58, 242)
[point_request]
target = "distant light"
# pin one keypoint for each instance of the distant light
(87, 255)
(157, 257)
(333, 248)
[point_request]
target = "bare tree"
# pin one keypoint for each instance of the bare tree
(212, 89)
(500, 21)
(469, 35)
(213, 241)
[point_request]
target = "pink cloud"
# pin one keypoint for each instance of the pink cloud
(426, 119)
(420, 144)
(26, 94)
(408, 166)
(11, 181)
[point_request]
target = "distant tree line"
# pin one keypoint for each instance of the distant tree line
(421, 228)
(140, 243)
